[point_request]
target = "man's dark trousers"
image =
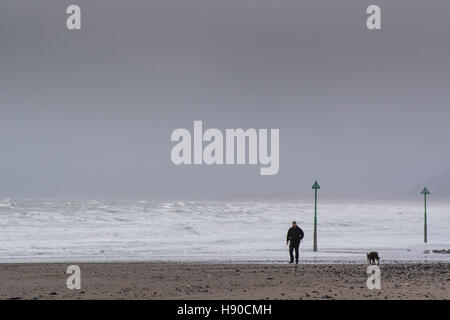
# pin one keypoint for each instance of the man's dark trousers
(294, 246)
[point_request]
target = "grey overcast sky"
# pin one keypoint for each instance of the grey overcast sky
(89, 114)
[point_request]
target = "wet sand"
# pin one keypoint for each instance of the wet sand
(223, 281)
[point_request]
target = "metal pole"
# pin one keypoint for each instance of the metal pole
(425, 220)
(425, 235)
(315, 220)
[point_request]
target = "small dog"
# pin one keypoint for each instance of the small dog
(372, 256)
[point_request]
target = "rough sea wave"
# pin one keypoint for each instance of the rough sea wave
(57, 230)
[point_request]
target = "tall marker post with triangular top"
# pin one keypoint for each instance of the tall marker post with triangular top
(315, 187)
(425, 192)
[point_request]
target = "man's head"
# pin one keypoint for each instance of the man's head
(294, 223)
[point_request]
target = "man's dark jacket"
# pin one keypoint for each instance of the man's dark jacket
(295, 234)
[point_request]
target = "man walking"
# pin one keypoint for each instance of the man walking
(294, 235)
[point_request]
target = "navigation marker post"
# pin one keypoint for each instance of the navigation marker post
(315, 187)
(425, 192)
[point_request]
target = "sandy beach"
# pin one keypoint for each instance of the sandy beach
(167, 281)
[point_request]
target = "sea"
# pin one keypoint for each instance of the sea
(218, 231)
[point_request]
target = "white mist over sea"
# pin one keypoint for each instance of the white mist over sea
(60, 231)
